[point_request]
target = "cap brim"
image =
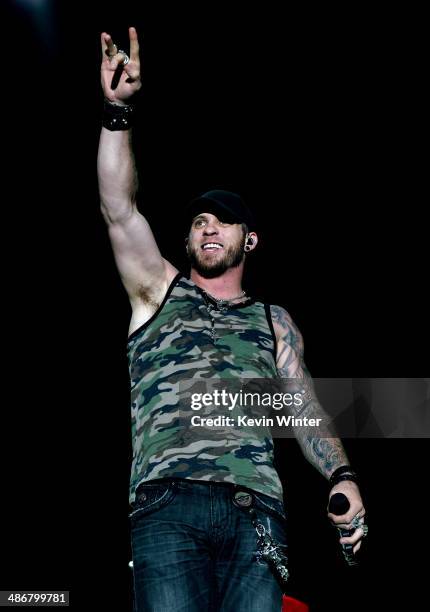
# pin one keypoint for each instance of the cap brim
(203, 204)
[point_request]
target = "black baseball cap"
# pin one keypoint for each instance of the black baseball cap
(225, 205)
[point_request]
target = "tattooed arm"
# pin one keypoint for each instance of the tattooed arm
(322, 449)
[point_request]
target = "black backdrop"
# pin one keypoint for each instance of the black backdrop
(316, 119)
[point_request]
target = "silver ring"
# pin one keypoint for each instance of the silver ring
(126, 59)
(356, 522)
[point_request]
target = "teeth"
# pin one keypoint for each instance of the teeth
(212, 245)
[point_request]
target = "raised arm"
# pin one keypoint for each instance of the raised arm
(325, 453)
(144, 272)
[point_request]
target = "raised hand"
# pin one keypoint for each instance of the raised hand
(120, 75)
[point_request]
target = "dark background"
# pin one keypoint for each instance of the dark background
(316, 118)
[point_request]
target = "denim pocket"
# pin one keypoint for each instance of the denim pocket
(151, 497)
(270, 505)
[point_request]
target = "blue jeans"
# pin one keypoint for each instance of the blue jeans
(194, 549)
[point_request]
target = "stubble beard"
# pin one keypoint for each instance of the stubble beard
(232, 258)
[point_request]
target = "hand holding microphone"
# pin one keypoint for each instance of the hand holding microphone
(339, 505)
(345, 501)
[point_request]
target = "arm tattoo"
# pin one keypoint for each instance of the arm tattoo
(325, 452)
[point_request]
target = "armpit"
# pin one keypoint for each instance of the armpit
(147, 297)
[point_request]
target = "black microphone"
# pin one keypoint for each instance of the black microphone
(338, 505)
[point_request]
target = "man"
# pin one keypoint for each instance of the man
(198, 498)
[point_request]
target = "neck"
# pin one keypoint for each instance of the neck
(224, 287)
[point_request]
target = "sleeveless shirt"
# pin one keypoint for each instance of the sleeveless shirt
(187, 341)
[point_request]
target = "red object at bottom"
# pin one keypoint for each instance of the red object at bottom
(289, 604)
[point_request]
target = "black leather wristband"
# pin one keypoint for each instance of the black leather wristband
(116, 117)
(336, 481)
(345, 472)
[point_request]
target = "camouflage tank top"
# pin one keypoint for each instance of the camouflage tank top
(186, 340)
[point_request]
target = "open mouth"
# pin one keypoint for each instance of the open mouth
(212, 246)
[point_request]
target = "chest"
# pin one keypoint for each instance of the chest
(190, 336)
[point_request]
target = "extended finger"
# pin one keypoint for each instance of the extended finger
(134, 45)
(103, 42)
(108, 46)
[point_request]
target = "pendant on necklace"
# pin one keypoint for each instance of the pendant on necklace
(213, 334)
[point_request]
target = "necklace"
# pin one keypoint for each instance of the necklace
(220, 305)
(223, 304)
